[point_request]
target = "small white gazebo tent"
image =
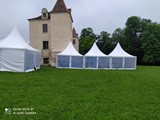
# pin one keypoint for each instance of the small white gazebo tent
(121, 59)
(16, 55)
(69, 58)
(95, 59)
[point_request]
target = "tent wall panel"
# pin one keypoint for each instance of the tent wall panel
(12, 60)
(29, 60)
(90, 62)
(37, 60)
(63, 61)
(130, 62)
(104, 62)
(117, 62)
(76, 62)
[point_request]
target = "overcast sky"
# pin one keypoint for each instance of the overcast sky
(100, 15)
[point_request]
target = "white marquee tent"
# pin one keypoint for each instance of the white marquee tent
(69, 58)
(94, 58)
(122, 60)
(16, 55)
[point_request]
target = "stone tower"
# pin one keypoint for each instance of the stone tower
(52, 31)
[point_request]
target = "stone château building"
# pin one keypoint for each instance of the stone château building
(52, 31)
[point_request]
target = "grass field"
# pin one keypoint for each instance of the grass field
(64, 94)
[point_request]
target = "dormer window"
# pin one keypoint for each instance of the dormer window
(44, 13)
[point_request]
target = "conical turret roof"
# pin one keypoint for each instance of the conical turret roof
(60, 7)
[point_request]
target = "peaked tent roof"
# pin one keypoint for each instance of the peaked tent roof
(15, 40)
(94, 51)
(119, 52)
(70, 51)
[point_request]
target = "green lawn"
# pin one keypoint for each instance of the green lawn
(64, 94)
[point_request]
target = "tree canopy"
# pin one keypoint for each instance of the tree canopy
(139, 37)
(151, 44)
(86, 40)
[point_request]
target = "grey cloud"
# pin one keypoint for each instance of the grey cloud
(101, 15)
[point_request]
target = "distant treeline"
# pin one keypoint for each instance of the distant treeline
(139, 37)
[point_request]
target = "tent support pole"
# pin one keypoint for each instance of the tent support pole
(110, 62)
(35, 60)
(135, 62)
(97, 62)
(84, 62)
(123, 62)
(70, 62)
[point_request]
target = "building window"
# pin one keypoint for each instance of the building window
(45, 28)
(74, 42)
(44, 15)
(45, 61)
(45, 45)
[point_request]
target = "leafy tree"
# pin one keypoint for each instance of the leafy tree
(132, 33)
(104, 42)
(118, 36)
(151, 44)
(135, 27)
(86, 39)
(88, 32)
